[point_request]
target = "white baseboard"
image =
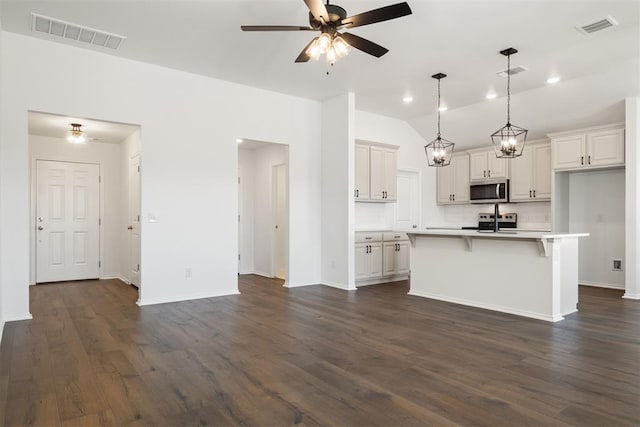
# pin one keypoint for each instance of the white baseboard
(338, 285)
(601, 285)
(377, 281)
(628, 295)
(109, 277)
(18, 317)
(178, 298)
(493, 307)
(298, 285)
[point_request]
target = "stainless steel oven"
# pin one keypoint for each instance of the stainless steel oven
(489, 191)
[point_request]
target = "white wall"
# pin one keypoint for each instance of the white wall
(632, 195)
(189, 154)
(338, 182)
(596, 206)
(129, 148)
(108, 157)
(246, 160)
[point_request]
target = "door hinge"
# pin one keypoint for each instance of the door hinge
(99, 221)
(238, 218)
(138, 168)
(99, 263)
(138, 218)
(238, 257)
(138, 269)
(99, 179)
(238, 180)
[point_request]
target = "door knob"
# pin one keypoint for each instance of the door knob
(40, 228)
(40, 219)
(130, 227)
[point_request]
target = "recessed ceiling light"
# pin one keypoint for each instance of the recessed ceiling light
(442, 108)
(407, 99)
(491, 95)
(239, 140)
(552, 80)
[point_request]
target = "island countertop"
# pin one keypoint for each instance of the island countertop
(502, 234)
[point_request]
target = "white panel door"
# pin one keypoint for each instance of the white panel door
(281, 221)
(407, 206)
(134, 221)
(67, 221)
(362, 172)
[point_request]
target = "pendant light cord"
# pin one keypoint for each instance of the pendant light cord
(438, 108)
(508, 89)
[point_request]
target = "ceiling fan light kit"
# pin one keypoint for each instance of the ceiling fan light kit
(330, 19)
(440, 150)
(509, 140)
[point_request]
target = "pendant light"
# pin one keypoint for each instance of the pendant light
(439, 150)
(76, 135)
(508, 141)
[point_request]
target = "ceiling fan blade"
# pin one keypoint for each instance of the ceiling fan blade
(377, 15)
(274, 28)
(364, 45)
(318, 10)
(303, 57)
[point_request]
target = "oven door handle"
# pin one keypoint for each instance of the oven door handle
(497, 191)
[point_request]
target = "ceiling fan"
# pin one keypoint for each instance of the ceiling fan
(329, 19)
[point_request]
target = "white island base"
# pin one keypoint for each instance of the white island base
(525, 273)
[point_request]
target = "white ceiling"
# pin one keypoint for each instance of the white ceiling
(55, 126)
(458, 37)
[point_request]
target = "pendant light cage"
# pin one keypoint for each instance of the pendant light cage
(508, 141)
(440, 150)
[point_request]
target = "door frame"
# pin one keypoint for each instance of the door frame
(274, 209)
(33, 200)
(129, 280)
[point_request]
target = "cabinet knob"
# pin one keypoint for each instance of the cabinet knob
(582, 160)
(589, 160)
(534, 193)
(530, 194)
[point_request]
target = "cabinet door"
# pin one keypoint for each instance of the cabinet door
(377, 179)
(478, 165)
(375, 260)
(361, 261)
(390, 174)
(605, 148)
(496, 168)
(521, 185)
(389, 258)
(402, 258)
(568, 153)
(541, 172)
(460, 178)
(362, 172)
(443, 183)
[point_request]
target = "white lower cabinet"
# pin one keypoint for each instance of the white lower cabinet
(381, 257)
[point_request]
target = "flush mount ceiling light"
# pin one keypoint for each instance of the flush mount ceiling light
(76, 135)
(491, 95)
(553, 80)
(439, 150)
(330, 19)
(508, 141)
(407, 99)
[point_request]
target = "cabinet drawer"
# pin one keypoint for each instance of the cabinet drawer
(366, 237)
(390, 237)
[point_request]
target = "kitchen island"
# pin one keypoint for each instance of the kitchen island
(532, 274)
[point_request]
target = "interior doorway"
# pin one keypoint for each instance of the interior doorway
(263, 209)
(82, 197)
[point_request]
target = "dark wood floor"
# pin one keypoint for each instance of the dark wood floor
(314, 356)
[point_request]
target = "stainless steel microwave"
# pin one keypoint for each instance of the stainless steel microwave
(489, 191)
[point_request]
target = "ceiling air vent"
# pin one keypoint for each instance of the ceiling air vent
(513, 71)
(602, 24)
(67, 30)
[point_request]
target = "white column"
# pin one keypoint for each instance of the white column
(632, 198)
(338, 181)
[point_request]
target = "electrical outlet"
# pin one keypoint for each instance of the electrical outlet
(617, 265)
(187, 272)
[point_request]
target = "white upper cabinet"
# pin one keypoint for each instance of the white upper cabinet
(531, 174)
(484, 164)
(590, 148)
(376, 173)
(383, 174)
(362, 172)
(453, 181)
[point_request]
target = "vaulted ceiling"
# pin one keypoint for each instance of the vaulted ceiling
(458, 37)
